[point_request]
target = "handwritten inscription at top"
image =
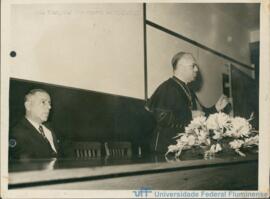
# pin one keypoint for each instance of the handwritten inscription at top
(55, 12)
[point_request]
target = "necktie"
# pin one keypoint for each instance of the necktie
(40, 128)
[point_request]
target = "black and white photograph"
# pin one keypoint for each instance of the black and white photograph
(135, 100)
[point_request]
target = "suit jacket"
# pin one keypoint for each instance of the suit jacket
(26, 142)
(172, 109)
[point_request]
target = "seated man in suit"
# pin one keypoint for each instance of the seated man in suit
(31, 138)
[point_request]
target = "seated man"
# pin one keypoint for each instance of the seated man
(31, 138)
(174, 105)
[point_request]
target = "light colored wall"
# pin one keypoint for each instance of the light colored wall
(100, 46)
(211, 68)
(204, 24)
(91, 46)
(160, 49)
(254, 36)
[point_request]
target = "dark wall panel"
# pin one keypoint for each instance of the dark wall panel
(245, 93)
(86, 115)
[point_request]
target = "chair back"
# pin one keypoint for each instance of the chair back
(86, 149)
(118, 149)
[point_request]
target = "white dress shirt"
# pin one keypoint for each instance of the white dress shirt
(47, 132)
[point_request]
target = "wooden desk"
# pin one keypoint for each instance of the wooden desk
(130, 174)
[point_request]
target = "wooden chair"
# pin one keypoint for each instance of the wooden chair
(86, 149)
(118, 149)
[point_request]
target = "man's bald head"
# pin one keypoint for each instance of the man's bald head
(184, 66)
(37, 105)
(180, 57)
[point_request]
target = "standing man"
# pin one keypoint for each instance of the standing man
(31, 138)
(174, 105)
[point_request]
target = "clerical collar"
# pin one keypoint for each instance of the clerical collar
(179, 80)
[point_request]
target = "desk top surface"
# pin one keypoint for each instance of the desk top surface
(23, 172)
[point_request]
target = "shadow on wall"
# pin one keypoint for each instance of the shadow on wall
(197, 84)
(82, 115)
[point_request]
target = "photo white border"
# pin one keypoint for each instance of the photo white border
(264, 110)
(264, 96)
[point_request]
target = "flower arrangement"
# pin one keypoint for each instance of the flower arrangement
(219, 132)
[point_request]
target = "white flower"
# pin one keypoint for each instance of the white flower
(197, 131)
(218, 135)
(184, 139)
(191, 140)
(240, 152)
(236, 144)
(215, 148)
(218, 148)
(173, 148)
(240, 127)
(196, 124)
(228, 133)
(251, 141)
(208, 141)
(211, 122)
(205, 132)
(189, 130)
(223, 120)
(202, 138)
(217, 121)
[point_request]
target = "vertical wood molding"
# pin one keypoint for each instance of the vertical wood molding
(145, 53)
